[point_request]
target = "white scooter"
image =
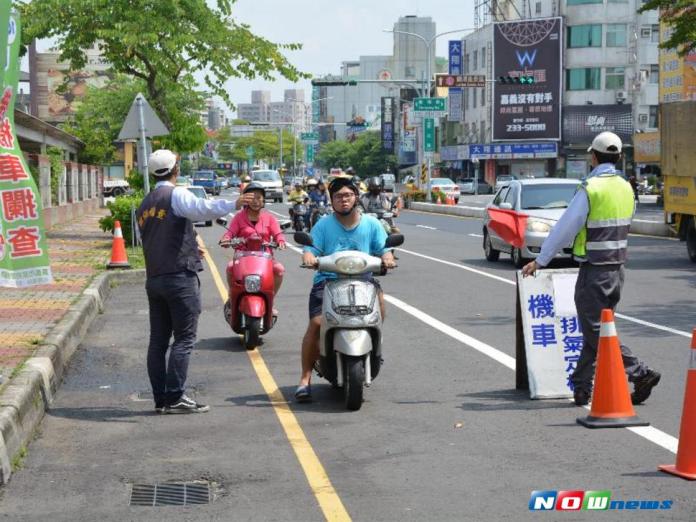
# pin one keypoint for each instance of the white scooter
(350, 337)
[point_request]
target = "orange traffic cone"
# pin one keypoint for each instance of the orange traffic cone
(611, 400)
(119, 259)
(686, 451)
(448, 200)
(439, 199)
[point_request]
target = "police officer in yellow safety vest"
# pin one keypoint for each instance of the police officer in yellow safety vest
(598, 217)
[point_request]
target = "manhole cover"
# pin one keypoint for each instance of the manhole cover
(170, 494)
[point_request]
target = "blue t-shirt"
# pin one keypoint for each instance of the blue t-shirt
(317, 197)
(329, 237)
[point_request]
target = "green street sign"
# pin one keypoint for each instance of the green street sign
(309, 154)
(429, 135)
(430, 105)
(311, 138)
(250, 152)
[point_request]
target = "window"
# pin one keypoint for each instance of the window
(583, 79)
(645, 31)
(580, 2)
(537, 9)
(482, 129)
(466, 63)
(654, 119)
(655, 33)
(483, 96)
(483, 57)
(410, 71)
(501, 195)
(614, 78)
(585, 36)
(654, 73)
(474, 92)
(617, 1)
(466, 98)
(475, 60)
(616, 35)
(510, 197)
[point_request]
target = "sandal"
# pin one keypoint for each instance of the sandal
(303, 393)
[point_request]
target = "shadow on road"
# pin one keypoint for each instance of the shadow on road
(224, 344)
(100, 414)
(509, 399)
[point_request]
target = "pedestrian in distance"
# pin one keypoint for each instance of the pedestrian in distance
(345, 229)
(172, 263)
(598, 218)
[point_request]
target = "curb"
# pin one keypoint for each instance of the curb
(29, 394)
(638, 226)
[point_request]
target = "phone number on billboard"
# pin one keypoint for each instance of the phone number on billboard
(528, 127)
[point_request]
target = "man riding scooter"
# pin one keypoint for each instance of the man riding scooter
(377, 202)
(297, 198)
(318, 202)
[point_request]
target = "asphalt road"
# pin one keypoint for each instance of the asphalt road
(443, 434)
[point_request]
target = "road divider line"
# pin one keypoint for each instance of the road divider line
(511, 282)
(476, 235)
(426, 227)
(319, 482)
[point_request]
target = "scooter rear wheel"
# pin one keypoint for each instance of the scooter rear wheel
(252, 333)
(353, 381)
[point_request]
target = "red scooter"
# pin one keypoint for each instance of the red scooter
(249, 308)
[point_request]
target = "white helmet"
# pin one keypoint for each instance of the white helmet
(161, 162)
(312, 183)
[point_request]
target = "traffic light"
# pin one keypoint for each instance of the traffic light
(516, 80)
(334, 83)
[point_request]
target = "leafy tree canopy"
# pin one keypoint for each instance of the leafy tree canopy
(266, 145)
(161, 42)
(681, 15)
(364, 154)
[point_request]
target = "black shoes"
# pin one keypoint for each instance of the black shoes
(186, 405)
(581, 397)
(643, 386)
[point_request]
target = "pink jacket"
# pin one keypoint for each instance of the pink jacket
(266, 227)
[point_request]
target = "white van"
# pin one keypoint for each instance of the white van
(272, 183)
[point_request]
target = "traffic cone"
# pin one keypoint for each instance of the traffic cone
(439, 199)
(686, 451)
(611, 400)
(119, 259)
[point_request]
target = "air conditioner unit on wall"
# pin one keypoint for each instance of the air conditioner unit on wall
(621, 96)
(642, 118)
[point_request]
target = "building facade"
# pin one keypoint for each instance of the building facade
(293, 111)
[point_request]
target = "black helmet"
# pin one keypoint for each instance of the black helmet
(254, 185)
(350, 170)
(374, 182)
(340, 182)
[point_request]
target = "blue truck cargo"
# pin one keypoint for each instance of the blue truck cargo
(207, 179)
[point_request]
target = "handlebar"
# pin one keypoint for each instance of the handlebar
(239, 241)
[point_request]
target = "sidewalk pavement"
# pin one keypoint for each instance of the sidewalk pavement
(78, 251)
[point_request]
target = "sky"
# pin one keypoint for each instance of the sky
(333, 31)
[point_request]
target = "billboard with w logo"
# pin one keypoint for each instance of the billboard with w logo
(527, 49)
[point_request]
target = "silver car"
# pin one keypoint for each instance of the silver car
(543, 200)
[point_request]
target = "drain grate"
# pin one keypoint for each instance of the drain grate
(170, 494)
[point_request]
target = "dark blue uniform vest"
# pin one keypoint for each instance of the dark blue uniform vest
(169, 241)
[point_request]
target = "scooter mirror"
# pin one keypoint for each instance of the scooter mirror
(221, 221)
(303, 238)
(285, 224)
(393, 240)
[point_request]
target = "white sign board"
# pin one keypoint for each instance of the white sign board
(552, 334)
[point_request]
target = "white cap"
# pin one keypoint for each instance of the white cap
(606, 142)
(161, 162)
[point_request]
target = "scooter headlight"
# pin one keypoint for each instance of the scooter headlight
(252, 283)
(351, 265)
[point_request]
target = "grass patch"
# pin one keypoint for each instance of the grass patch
(18, 459)
(16, 371)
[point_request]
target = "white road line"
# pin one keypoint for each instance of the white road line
(476, 235)
(511, 282)
(650, 433)
(426, 226)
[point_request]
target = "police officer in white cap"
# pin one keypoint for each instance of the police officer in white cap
(597, 220)
(172, 263)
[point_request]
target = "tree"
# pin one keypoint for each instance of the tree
(161, 42)
(266, 145)
(364, 154)
(101, 114)
(334, 154)
(681, 15)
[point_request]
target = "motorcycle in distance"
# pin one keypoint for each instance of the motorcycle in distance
(299, 215)
(321, 210)
(350, 335)
(249, 307)
(385, 217)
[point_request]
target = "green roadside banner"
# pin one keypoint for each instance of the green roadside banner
(23, 251)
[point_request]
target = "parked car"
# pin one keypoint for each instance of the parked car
(466, 186)
(183, 181)
(207, 179)
(235, 181)
(201, 193)
(502, 181)
(272, 183)
(446, 186)
(388, 181)
(115, 187)
(543, 200)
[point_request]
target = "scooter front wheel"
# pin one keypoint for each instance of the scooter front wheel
(353, 381)
(252, 333)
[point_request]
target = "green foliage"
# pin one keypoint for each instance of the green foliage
(681, 14)
(100, 116)
(120, 210)
(35, 174)
(266, 146)
(186, 167)
(204, 162)
(55, 156)
(364, 154)
(137, 183)
(161, 42)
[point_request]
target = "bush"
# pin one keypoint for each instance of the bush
(136, 181)
(414, 195)
(121, 210)
(55, 156)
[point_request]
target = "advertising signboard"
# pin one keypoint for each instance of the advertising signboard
(581, 123)
(388, 124)
(530, 49)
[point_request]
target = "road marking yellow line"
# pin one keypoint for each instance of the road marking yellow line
(329, 501)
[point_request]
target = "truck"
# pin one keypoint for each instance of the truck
(678, 162)
(209, 180)
(114, 187)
